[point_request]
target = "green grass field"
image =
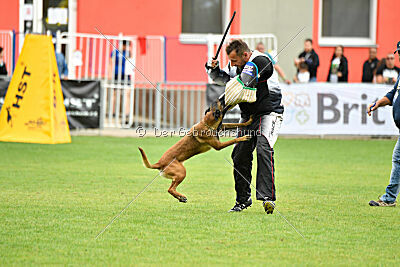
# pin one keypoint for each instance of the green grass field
(54, 200)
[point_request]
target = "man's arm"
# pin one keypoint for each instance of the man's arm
(316, 60)
(379, 78)
(265, 68)
(364, 70)
(295, 79)
(299, 59)
(384, 101)
(216, 74)
(313, 65)
(343, 67)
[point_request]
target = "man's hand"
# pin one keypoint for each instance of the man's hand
(372, 107)
(296, 62)
(212, 64)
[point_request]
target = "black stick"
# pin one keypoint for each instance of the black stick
(223, 38)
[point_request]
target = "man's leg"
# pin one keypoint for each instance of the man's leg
(242, 157)
(269, 126)
(265, 170)
(392, 190)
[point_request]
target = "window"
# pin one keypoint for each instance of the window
(349, 23)
(201, 16)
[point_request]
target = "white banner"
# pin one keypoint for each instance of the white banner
(327, 108)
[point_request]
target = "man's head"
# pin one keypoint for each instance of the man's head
(397, 49)
(390, 61)
(1, 52)
(308, 45)
(372, 53)
(238, 52)
(260, 47)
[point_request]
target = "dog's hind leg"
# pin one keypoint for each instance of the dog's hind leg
(176, 194)
(178, 175)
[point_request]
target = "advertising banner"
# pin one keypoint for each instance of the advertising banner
(82, 102)
(328, 108)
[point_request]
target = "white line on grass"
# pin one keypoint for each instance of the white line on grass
(105, 228)
(261, 195)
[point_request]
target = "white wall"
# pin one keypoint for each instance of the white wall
(284, 18)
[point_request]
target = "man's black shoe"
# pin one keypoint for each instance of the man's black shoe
(241, 206)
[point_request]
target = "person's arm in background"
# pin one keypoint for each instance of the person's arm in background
(295, 79)
(216, 74)
(328, 79)
(316, 60)
(282, 74)
(65, 68)
(3, 69)
(379, 76)
(314, 64)
(364, 70)
(110, 70)
(343, 68)
(298, 60)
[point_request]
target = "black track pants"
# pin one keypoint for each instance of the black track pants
(264, 131)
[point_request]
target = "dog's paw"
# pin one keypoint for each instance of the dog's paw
(244, 138)
(250, 120)
(182, 199)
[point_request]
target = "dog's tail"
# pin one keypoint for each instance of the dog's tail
(146, 161)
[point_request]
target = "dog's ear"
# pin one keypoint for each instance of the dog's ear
(222, 101)
(207, 110)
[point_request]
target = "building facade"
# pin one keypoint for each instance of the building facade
(185, 24)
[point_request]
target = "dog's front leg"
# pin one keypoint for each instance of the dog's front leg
(226, 126)
(217, 145)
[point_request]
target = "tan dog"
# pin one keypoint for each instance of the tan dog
(201, 138)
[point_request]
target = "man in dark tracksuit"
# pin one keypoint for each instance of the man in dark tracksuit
(253, 69)
(310, 57)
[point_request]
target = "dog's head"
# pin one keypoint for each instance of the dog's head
(216, 111)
